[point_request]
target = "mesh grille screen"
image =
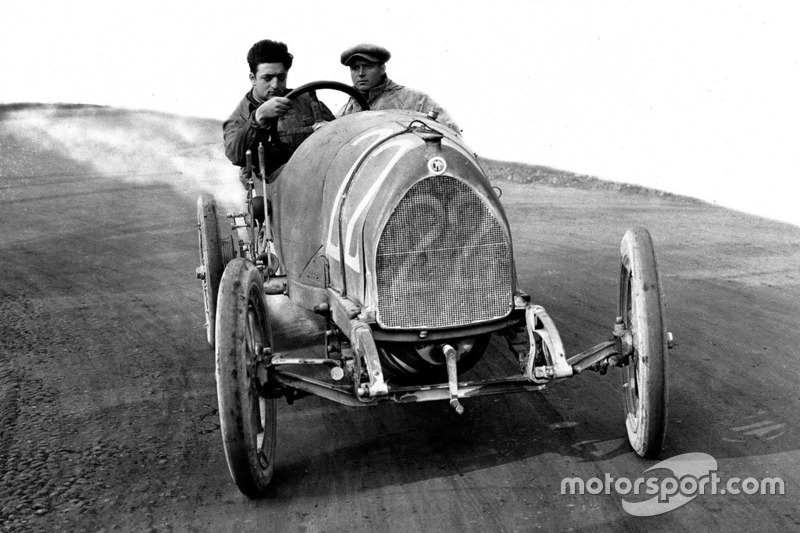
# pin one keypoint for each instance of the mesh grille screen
(442, 260)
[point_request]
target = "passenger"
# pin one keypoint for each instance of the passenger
(367, 64)
(264, 110)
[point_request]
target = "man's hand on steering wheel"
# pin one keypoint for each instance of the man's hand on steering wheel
(275, 107)
(278, 106)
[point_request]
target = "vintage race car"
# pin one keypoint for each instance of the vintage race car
(382, 269)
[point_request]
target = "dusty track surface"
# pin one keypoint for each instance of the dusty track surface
(107, 394)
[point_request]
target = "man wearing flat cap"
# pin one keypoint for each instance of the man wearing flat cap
(367, 64)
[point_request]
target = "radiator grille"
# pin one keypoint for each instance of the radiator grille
(442, 260)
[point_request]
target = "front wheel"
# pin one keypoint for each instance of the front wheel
(247, 420)
(644, 379)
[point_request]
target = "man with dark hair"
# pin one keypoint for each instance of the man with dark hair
(367, 64)
(265, 116)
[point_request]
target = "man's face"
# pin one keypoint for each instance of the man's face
(366, 74)
(269, 80)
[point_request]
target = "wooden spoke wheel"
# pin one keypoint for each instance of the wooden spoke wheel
(211, 262)
(247, 420)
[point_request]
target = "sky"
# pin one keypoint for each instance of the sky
(694, 98)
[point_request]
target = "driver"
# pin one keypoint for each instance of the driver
(367, 64)
(264, 110)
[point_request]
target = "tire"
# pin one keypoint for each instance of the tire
(247, 420)
(644, 379)
(210, 258)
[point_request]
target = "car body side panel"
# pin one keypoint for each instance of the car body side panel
(302, 196)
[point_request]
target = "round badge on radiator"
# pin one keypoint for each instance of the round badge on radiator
(437, 165)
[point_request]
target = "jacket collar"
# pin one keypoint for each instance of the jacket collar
(386, 85)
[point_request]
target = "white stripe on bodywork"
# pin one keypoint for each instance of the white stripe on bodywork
(332, 248)
(403, 146)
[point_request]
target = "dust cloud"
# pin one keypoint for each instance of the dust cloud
(141, 147)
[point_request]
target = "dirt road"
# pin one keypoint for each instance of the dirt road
(107, 394)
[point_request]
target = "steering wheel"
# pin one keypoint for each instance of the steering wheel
(335, 85)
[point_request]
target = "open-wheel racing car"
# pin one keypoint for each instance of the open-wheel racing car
(382, 268)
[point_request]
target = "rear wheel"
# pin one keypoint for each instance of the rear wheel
(247, 420)
(644, 379)
(211, 262)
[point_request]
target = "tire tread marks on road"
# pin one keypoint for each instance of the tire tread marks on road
(9, 386)
(41, 488)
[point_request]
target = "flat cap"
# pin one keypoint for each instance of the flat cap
(370, 52)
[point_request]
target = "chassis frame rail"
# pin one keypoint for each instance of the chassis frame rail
(344, 395)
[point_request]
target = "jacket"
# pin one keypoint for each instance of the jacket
(390, 95)
(241, 132)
